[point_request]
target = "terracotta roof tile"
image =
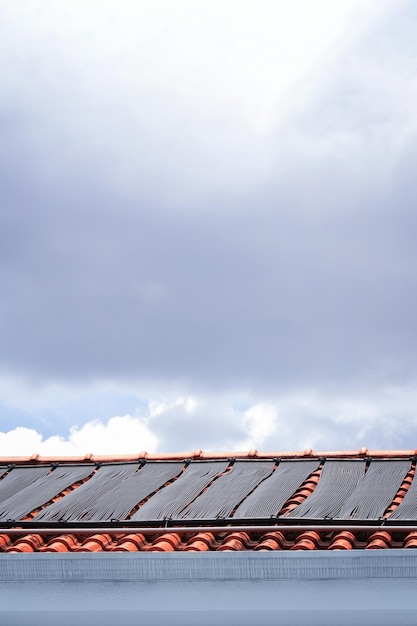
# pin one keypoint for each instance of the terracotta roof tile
(27, 543)
(95, 543)
(274, 540)
(309, 540)
(237, 541)
(168, 542)
(344, 540)
(63, 543)
(216, 541)
(133, 542)
(380, 540)
(201, 542)
(410, 540)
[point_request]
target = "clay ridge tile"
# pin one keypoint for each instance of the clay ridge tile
(200, 454)
(204, 541)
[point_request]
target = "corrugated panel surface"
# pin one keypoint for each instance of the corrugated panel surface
(173, 499)
(77, 505)
(42, 488)
(407, 509)
(19, 478)
(118, 501)
(268, 499)
(156, 490)
(375, 492)
(337, 482)
(228, 490)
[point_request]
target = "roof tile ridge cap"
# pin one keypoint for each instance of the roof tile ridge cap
(44, 460)
(199, 454)
(154, 456)
(333, 454)
(47, 460)
(364, 452)
(8, 460)
(114, 458)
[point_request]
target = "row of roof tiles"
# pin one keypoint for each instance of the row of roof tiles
(200, 454)
(206, 541)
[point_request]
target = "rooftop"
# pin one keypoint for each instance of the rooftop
(207, 502)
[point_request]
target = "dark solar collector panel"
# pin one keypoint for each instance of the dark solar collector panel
(41, 489)
(19, 478)
(270, 496)
(76, 505)
(219, 500)
(407, 510)
(116, 503)
(375, 492)
(337, 482)
(170, 501)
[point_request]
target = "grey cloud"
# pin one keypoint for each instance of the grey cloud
(143, 242)
(303, 420)
(211, 426)
(220, 300)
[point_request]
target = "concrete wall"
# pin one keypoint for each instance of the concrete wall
(211, 589)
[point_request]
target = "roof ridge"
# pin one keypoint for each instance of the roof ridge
(210, 455)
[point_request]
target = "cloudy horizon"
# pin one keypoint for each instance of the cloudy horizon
(207, 220)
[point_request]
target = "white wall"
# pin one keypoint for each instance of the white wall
(212, 589)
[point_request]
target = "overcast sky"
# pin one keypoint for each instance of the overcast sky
(207, 225)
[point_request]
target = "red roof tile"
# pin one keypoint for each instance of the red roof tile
(97, 504)
(211, 542)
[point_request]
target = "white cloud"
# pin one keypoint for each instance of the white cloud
(21, 442)
(378, 419)
(160, 420)
(157, 408)
(120, 435)
(260, 423)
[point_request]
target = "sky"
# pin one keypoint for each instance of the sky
(207, 225)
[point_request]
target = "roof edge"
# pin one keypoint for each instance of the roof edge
(200, 454)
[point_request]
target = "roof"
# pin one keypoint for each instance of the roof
(207, 502)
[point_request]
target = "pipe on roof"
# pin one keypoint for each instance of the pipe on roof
(197, 529)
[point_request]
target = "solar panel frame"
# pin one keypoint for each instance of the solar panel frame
(170, 501)
(338, 480)
(376, 491)
(219, 500)
(76, 505)
(19, 478)
(270, 496)
(407, 509)
(116, 503)
(41, 490)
